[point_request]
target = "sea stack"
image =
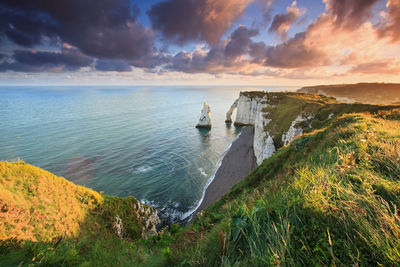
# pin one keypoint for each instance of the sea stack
(205, 118)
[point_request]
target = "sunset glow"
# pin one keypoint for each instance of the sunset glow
(220, 42)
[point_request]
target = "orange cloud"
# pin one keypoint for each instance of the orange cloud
(389, 26)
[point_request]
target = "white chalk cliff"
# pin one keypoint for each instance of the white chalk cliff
(248, 108)
(263, 145)
(250, 112)
(205, 117)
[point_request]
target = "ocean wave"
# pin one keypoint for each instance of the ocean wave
(201, 170)
(142, 169)
(169, 211)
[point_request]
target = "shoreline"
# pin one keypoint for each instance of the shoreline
(236, 164)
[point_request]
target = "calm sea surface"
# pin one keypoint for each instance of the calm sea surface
(138, 141)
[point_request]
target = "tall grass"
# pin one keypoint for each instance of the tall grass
(333, 201)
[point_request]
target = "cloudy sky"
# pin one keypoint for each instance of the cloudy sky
(218, 42)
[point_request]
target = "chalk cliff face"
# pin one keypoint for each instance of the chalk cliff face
(295, 130)
(205, 117)
(247, 109)
(252, 109)
(263, 145)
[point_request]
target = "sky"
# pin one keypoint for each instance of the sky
(199, 42)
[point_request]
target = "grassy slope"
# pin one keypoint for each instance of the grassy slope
(45, 219)
(330, 198)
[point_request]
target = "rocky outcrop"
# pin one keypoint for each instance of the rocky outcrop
(205, 117)
(230, 111)
(295, 130)
(149, 218)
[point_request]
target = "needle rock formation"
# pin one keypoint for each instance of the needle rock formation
(205, 118)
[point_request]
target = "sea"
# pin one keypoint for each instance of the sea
(135, 141)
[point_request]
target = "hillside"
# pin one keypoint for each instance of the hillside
(373, 93)
(47, 219)
(328, 195)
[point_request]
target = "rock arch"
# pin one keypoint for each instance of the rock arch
(230, 111)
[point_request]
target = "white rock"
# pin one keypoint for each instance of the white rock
(263, 145)
(269, 148)
(293, 131)
(205, 118)
(230, 111)
(247, 109)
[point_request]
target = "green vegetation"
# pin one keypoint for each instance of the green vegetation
(329, 198)
(284, 108)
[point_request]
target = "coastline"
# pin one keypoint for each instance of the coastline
(236, 164)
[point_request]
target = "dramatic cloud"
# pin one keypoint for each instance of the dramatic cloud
(192, 20)
(103, 28)
(220, 58)
(240, 41)
(282, 22)
(390, 24)
(108, 35)
(68, 59)
(350, 13)
(294, 53)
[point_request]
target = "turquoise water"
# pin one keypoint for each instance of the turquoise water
(138, 141)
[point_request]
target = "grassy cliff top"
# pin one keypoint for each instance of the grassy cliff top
(383, 93)
(283, 108)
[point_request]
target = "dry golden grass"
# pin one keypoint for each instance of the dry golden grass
(39, 206)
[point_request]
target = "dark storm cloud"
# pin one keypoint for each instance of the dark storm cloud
(350, 13)
(390, 27)
(112, 65)
(240, 41)
(282, 22)
(103, 28)
(69, 59)
(191, 20)
(219, 57)
(294, 53)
